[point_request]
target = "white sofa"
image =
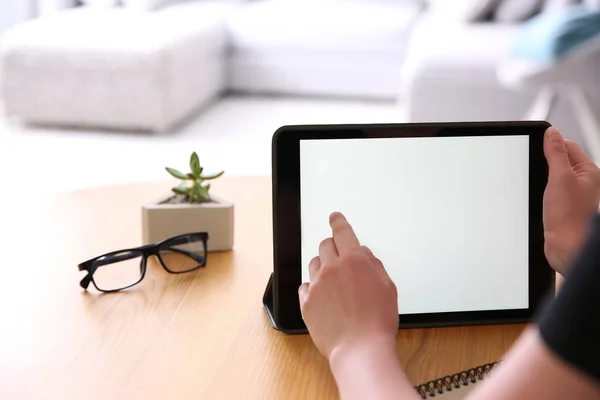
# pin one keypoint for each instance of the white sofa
(442, 69)
(451, 74)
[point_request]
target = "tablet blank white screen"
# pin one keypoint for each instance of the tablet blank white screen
(448, 217)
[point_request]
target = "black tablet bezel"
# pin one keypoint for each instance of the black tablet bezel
(286, 215)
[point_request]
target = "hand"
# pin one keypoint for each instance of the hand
(351, 302)
(570, 200)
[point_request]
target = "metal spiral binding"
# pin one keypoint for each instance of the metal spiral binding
(456, 381)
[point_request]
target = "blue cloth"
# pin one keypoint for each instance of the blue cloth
(551, 36)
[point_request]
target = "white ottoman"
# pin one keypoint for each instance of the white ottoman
(116, 69)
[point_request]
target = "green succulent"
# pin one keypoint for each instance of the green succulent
(194, 191)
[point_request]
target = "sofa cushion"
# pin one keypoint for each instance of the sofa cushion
(463, 10)
(320, 47)
(551, 37)
(595, 4)
(463, 54)
(84, 40)
(558, 5)
(154, 5)
(517, 10)
(145, 5)
(294, 27)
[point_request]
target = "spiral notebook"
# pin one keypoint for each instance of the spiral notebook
(456, 386)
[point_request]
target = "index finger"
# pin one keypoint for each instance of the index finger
(577, 156)
(343, 235)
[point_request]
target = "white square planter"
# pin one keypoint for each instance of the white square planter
(162, 220)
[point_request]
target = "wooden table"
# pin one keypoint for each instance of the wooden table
(197, 335)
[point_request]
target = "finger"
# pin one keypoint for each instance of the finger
(577, 156)
(343, 235)
(313, 267)
(376, 261)
(556, 153)
(371, 255)
(303, 292)
(328, 252)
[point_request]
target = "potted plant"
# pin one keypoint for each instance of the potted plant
(190, 208)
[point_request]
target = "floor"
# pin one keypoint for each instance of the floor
(232, 135)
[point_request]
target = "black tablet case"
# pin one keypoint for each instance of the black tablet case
(269, 298)
(268, 302)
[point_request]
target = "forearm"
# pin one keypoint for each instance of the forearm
(371, 370)
(531, 371)
(559, 357)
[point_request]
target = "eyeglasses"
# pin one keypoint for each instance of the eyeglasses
(122, 269)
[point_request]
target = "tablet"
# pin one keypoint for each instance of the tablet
(453, 210)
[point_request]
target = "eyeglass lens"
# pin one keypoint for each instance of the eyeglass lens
(118, 270)
(183, 254)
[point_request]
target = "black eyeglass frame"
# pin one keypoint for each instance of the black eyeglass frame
(144, 252)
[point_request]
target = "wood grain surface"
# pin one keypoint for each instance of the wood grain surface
(190, 336)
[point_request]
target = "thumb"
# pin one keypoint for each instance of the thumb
(303, 292)
(555, 150)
